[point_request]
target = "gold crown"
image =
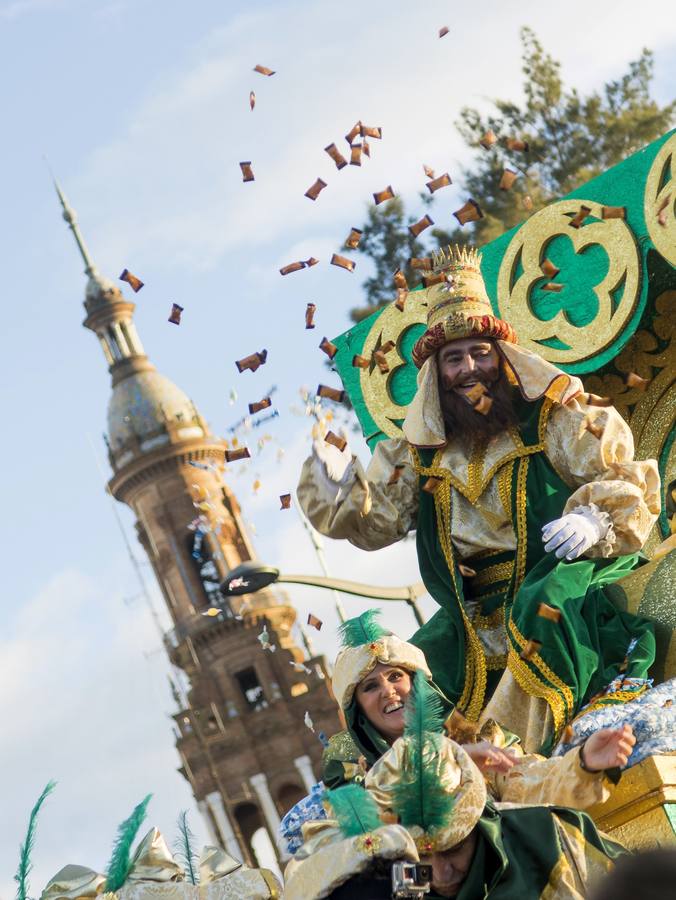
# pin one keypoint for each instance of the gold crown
(462, 257)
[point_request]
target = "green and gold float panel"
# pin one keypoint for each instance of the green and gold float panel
(615, 314)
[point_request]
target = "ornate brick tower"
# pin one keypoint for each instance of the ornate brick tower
(240, 731)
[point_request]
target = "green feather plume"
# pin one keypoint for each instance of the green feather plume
(120, 861)
(362, 629)
(184, 848)
(419, 798)
(354, 808)
(424, 711)
(25, 863)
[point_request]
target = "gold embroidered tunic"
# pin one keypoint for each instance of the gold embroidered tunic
(590, 447)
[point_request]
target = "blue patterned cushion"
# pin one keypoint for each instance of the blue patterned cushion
(309, 809)
(652, 716)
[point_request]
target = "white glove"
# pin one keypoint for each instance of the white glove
(335, 462)
(573, 534)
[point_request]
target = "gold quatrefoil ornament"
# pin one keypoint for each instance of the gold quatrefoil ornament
(659, 201)
(392, 324)
(557, 339)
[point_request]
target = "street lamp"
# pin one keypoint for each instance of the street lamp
(250, 577)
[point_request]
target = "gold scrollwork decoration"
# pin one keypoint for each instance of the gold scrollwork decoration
(649, 410)
(391, 325)
(659, 201)
(521, 270)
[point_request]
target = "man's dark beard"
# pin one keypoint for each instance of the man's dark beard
(463, 422)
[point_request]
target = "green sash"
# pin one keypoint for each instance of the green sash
(582, 652)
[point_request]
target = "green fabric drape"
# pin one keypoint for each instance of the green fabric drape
(517, 850)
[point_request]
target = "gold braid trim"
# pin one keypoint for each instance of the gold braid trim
(475, 468)
(475, 490)
(559, 697)
(474, 690)
(490, 594)
(617, 696)
(496, 662)
(505, 487)
(521, 524)
(493, 574)
(482, 554)
(530, 684)
(491, 621)
(544, 418)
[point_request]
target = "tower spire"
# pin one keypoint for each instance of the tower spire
(71, 219)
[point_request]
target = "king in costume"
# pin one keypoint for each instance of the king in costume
(526, 501)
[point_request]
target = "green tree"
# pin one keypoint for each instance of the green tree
(388, 242)
(570, 140)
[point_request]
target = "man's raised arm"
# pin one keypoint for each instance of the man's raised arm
(372, 508)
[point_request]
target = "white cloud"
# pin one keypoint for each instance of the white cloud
(81, 704)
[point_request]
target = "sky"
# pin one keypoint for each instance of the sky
(141, 109)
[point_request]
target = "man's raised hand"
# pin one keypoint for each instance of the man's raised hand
(335, 461)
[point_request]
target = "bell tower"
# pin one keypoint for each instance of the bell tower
(240, 726)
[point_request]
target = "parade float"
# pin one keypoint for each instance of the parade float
(588, 283)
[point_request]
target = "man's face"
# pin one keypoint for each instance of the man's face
(465, 362)
(450, 868)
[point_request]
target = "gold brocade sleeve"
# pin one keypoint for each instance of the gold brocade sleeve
(592, 449)
(560, 781)
(366, 510)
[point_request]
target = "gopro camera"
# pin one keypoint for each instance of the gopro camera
(410, 880)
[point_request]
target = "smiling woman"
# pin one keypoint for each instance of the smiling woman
(371, 680)
(381, 697)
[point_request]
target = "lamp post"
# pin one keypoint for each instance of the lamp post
(250, 577)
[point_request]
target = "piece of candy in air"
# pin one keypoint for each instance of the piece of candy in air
(336, 156)
(175, 315)
(252, 362)
(134, 283)
(437, 183)
(314, 621)
(382, 196)
(469, 212)
(247, 171)
(418, 227)
(343, 262)
(315, 189)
